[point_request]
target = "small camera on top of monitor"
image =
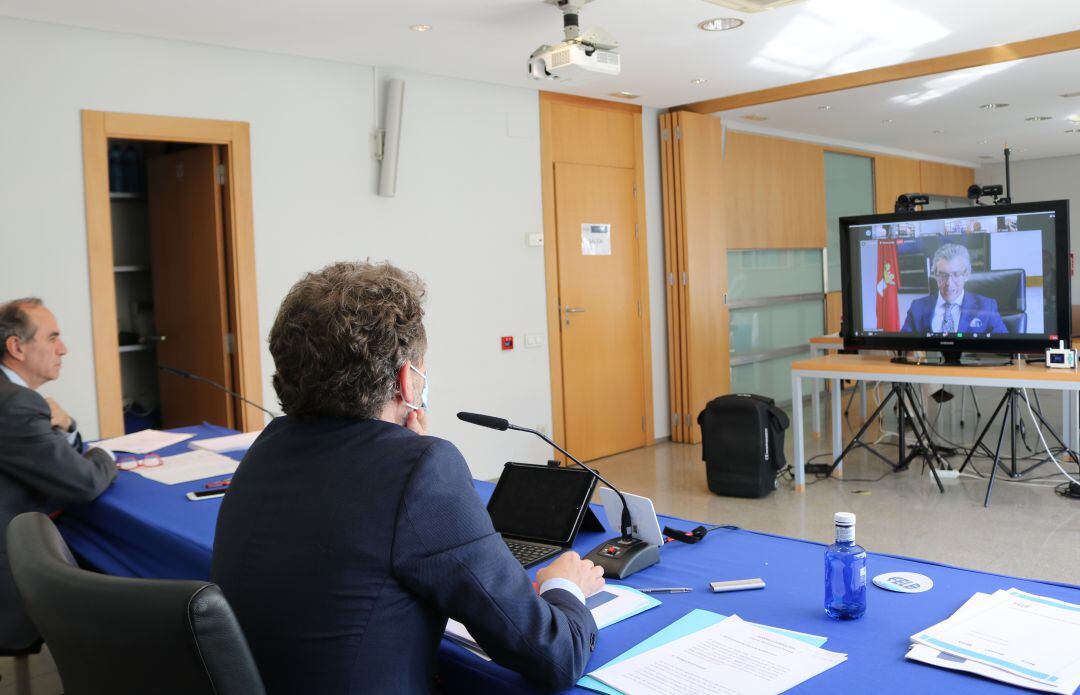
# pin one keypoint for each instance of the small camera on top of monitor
(907, 202)
(976, 192)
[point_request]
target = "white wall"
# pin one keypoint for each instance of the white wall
(468, 193)
(1033, 180)
(654, 224)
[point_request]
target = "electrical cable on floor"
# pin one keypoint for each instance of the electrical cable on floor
(1038, 428)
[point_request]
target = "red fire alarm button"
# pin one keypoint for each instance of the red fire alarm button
(508, 342)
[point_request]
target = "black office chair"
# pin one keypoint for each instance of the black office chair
(115, 635)
(1009, 288)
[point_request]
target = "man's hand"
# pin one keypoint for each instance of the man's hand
(569, 565)
(416, 421)
(60, 418)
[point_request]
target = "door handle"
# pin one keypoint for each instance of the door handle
(574, 310)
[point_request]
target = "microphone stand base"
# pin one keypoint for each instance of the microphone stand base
(620, 557)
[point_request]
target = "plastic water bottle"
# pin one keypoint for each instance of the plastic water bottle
(845, 572)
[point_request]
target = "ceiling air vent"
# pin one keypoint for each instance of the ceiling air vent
(752, 5)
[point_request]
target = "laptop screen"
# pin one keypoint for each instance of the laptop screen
(540, 503)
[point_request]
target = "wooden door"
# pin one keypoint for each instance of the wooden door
(190, 303)
(601, 318)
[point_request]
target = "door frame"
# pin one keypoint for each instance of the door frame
(98, 127)
(551, 261)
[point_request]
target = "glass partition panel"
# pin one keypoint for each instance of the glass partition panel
(770, 378)
(776, 326)
(849, 190)
(762, 273)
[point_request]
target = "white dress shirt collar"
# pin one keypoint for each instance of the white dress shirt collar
(13, 377)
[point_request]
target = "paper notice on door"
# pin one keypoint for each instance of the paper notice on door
(595, 239)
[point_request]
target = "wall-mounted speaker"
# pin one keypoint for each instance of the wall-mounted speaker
(395, 103)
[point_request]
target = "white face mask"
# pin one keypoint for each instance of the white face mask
(423, 394)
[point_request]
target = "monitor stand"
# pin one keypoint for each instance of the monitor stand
(955, 358)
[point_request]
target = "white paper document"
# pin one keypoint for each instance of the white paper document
(232, 442)
(1029, 636)
(934, 657)
(144, 442)
(732, 657)
(184, 468)
(608, 606)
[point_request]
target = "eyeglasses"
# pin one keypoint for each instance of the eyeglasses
(951, 276)
(130, 463)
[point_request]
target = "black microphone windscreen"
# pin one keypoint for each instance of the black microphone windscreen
(495, 423)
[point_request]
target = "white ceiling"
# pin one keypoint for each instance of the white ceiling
(662, 49)
(949, 103)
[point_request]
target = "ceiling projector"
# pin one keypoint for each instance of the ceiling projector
(582, 56)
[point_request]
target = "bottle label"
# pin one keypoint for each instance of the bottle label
(845, 534)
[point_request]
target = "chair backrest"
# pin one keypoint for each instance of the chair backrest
(1006, 286)
(118, 635)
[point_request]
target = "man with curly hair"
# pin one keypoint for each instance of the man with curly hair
(348, 536)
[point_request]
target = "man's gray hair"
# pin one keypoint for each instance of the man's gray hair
(14, 321)
(947, 252)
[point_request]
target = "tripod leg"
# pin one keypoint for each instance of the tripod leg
(978, 413)
(919, 421)
(858, 435)
(978, 442)
(997, 455)
(1012, 431)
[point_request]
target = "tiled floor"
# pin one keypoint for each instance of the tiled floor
(1027, 531)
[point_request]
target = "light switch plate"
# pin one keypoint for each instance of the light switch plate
(534, 340)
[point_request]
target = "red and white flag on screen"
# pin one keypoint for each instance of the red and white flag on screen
(888, 304)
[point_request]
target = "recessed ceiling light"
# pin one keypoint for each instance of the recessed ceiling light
(720, 24)
(420, 27)
(698, 80)
(984, 142)
(1069, 95)
(1039, 118)
(985, 156)
(625, 95)
(754, 117)
(824, 107)
(1074, 117)
(990, 107)
(937, 132)
(887, 121)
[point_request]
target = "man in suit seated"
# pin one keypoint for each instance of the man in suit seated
(950, 309)
(348, 535)
(41, 461)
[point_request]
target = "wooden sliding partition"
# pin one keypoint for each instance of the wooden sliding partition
(695, 184)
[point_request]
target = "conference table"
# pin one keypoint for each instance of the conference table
(141, 528)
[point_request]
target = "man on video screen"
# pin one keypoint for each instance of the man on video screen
(950, 309)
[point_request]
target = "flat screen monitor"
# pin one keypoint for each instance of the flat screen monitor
(980, 279)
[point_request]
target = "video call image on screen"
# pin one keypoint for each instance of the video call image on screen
(968, 277)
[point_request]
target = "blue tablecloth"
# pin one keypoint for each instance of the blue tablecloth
(141, 528)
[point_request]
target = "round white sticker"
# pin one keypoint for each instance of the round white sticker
(904, 582)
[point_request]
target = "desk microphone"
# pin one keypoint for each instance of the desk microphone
(195, 377)
(620, 557)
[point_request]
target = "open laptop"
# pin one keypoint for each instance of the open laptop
(538, 510)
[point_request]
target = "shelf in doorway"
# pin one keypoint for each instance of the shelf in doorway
(136, 348)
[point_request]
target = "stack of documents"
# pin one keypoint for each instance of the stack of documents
(232, 442)
(704, 653)
(1010, 636)
(144, 442)
(608, 606)
(184, 468)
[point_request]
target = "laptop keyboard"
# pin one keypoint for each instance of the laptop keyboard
(530, 553)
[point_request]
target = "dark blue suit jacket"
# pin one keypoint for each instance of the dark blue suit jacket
(343, 546)
(978, 314)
